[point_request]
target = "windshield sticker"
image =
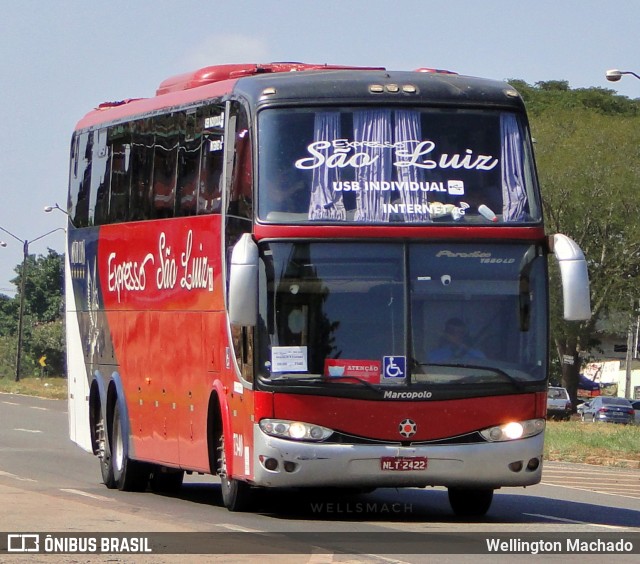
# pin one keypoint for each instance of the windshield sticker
(289, 359)
(342, 153)
(485, 257)
(452, 187)
(395, 368)
(368, 370)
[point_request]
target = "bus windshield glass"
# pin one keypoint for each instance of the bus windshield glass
(397, 315)
(383, 165)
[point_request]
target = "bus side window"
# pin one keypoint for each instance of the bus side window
(238, 220)
(211, 123)
(240, 201)
(120, 145)
(189, 153)
(100, 177)
(80, 179)
(165, 166)
(243, 347)
(142, 169)
(210, 189)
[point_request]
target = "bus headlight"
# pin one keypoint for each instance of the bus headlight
(296, 430)
(513, 430)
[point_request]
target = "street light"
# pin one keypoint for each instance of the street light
(25, 256)
(49, 209)
(613, 75)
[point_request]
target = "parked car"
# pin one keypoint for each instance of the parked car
(606, 408)
(581, 407)
(636, 405)
(558, 403)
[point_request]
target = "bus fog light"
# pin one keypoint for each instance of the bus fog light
(271, 464)
(289, 466)
(533, 464)
(516, 466)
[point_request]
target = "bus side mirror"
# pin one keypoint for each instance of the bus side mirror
(243, 282)
(575, 277)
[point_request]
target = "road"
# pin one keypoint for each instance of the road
(49, 484)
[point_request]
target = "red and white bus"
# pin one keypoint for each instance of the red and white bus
(296, 275)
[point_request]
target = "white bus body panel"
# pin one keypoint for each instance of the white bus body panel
(77, 384)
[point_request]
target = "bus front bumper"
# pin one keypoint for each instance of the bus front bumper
(285, 463)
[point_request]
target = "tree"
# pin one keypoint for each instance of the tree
(42, 314)
(588, 157)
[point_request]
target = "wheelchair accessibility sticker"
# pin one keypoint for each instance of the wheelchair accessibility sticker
(394, 368)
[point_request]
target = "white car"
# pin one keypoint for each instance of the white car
(558, 403)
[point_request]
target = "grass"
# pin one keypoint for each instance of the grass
(566, 441)
(52, 388)
(593, 443)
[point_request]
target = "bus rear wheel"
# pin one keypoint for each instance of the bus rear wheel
(470, 502)
(104, 453)
(129, 475)
(236, 494)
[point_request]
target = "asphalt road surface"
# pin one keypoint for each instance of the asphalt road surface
(47, 484)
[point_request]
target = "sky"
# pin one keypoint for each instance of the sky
(61, 58)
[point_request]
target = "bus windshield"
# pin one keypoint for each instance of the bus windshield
(411, 165)
(402, 314)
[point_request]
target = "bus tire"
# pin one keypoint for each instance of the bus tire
(104, 453)
(470, 502)
(236, 494)
(129, 475)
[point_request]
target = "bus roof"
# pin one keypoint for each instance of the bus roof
(319, 83)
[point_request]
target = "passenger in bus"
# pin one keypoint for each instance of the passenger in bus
(455, 344)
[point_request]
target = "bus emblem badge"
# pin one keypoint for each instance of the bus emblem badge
(407, 428)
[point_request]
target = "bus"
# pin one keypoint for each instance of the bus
(293, 275)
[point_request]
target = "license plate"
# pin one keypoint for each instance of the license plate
(403, 463)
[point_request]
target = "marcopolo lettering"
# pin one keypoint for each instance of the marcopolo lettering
(392, 394)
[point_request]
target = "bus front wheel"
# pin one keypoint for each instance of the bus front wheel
(236, 494)
(470, 502)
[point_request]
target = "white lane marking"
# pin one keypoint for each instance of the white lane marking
(583, 489)
(552, 518)
(10, 403)
(239, 528)
(28, 430)
(40, 408)
(86, 494)
(16, 477)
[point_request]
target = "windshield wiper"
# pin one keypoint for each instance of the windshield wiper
(368, 384)
(293, 378)
(518, 384)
